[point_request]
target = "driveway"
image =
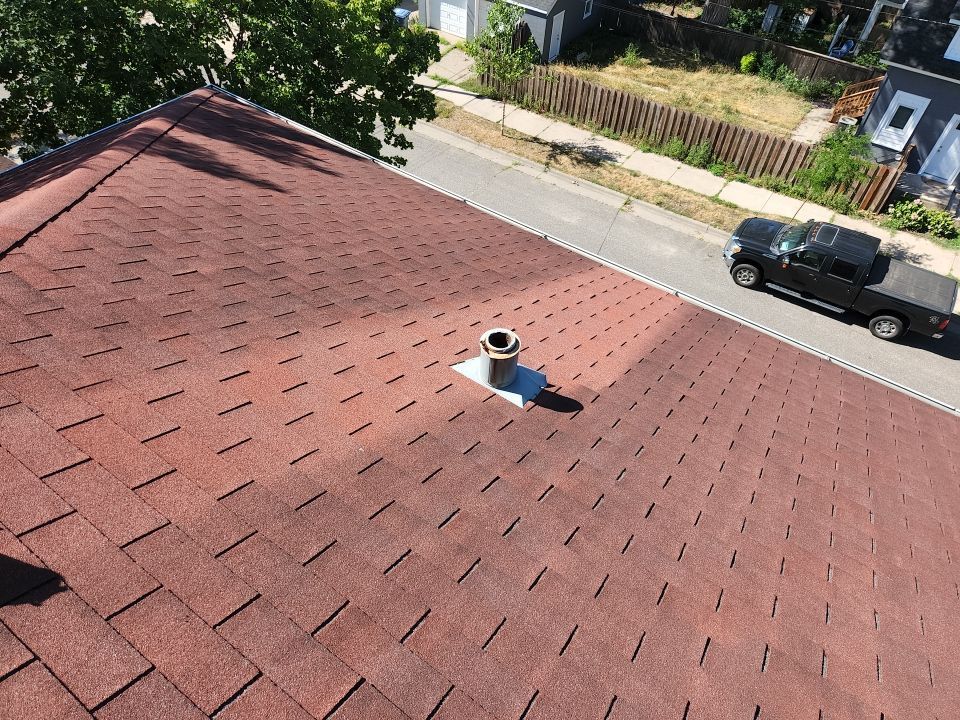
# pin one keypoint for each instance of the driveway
(673, 251)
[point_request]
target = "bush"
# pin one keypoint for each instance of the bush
(915, 216)
(746, 21)
(942, 224)
(748, 63)
(700, 154)
(768, 66)
(674, 148)
(838, 160)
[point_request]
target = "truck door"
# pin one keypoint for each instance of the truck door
(838, 282)
(803, 271)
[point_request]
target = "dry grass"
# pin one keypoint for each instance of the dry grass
(664, 76)
(572, 161)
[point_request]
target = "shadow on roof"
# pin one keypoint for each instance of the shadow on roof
(221, 127)
(550, 400)
(226, 129)
(25, 584)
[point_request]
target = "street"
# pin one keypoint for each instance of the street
(673, 251)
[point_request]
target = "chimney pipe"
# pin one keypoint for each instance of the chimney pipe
(499, 349)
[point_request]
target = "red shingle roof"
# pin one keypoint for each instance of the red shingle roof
(230, 431)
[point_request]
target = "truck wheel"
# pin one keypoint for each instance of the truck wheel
(746, 275)
(886, 327)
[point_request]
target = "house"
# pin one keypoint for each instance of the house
(918, 103)
(240, 478)
(552, 23)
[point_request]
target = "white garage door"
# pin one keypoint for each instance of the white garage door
(453, 19)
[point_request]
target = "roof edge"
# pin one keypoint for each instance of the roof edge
(36, 192)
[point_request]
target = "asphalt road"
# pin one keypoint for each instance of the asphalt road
(673, 251)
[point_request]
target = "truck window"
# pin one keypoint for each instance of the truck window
(792, 236)
(809, 258)
(843, 270)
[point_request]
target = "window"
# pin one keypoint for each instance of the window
(587, 9)
(791, 237)
(809, 259)
(953, 50)
(843, 270)
(826, 234)
(900, 120)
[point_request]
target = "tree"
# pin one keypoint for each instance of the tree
(494, 51)
(340, 66)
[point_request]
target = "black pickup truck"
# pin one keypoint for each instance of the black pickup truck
(840, 269)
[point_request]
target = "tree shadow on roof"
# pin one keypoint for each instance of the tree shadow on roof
(212, 138)
(24, 584)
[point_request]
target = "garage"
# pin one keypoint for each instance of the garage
(453, 18)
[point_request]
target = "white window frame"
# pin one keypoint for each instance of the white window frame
(953, 49)
(587, 9)
(895, 139)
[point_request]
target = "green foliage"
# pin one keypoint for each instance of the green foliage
(870, 59)
(631, 56)
(748, 63)
(674, 148)
(838, 160)
(722, 169)
(700, 154)
(340, 66)
(746, 21)
(914, 216)
(767, 68)
(492, 48)
(493, 52)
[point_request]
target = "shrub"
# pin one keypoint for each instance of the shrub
(700, 154)
(768, 66)
(942, 224)
(915, 216)
(746, 21)
(748, 63)
(839, 159)
(908, 215)
(674, 148)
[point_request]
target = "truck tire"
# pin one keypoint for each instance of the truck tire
(886, 327)
(746, 275)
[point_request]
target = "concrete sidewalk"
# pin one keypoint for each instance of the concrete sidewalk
(455, 67)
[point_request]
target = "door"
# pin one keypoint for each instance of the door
(453, 18)
(943, 163)
(556, 35)
(803, 270)
(838, 283)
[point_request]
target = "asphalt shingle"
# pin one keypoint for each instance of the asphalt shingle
(232, 433)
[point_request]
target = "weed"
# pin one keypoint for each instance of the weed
(674, 148)
(700, 154)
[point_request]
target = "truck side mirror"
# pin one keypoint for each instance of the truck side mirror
(786, 261)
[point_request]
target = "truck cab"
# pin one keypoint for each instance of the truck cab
(840, 269)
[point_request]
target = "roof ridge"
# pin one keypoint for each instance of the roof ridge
(55, 196)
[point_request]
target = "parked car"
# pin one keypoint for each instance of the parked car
(840, 269)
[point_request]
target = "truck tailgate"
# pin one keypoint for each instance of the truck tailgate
(912, 284)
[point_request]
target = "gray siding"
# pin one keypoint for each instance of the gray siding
(574, 24)
(944, 102)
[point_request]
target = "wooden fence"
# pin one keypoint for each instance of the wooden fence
(727, 46)
(754, 153)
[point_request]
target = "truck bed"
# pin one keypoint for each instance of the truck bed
(912, 284)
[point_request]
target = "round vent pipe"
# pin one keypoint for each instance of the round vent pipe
(499, 349)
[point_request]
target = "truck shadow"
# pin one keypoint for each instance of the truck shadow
(947, 347)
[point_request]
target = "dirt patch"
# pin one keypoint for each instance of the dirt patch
(589, 166)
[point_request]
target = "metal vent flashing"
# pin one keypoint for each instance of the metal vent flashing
(497, 368)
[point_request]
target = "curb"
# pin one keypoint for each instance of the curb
(609, 263)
